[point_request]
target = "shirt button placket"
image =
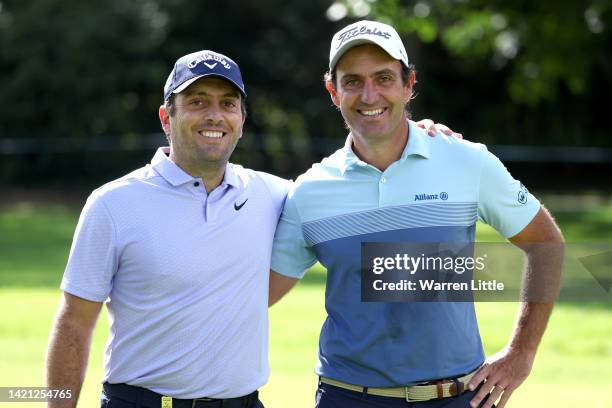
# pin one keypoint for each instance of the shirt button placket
(381, 185)
(198, 187)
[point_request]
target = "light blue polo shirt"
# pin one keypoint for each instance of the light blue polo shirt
(186, 274)
(435, 192)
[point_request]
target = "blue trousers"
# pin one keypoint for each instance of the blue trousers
(329, 396)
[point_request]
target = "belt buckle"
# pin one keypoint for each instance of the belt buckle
(407, 392)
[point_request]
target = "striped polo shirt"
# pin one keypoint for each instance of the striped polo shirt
(435, 192)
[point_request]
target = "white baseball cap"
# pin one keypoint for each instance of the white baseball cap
(364, 32)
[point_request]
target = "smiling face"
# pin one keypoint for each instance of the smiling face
(371, 95)
(205, 126)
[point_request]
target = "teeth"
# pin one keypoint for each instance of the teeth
(215, 135)
(372, 112)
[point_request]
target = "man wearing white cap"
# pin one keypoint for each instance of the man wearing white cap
(392, 184)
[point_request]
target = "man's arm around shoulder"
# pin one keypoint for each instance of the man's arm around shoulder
(543, 244)
(68, 348)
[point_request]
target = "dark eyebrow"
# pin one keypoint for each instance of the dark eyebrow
(232, 94)
(385, 71)
(349, 75)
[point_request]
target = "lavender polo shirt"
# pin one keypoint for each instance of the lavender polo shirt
(185, 274)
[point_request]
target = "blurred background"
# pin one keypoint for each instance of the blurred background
(82, 82)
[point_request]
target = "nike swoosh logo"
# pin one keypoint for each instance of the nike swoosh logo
(211, 66)
(238, 207)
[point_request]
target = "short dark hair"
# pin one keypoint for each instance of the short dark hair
(171, 106)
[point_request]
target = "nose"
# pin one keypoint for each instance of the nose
(369, 94)
(213, 115)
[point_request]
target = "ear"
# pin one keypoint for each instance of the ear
(332, 93)
(164, 119)
(409, 86)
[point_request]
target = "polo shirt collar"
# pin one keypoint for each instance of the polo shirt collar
(176, 176)
(418, 145)
(230, 177)
(419, 142)
(349, 158)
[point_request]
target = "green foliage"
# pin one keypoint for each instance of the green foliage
(73, 68)
(79, 68)
(499, 72)
(543, 45)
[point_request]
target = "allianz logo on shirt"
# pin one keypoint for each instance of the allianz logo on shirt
(423, 197)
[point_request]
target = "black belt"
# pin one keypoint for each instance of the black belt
(152, 399)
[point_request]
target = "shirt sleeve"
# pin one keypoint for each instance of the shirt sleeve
(291, 255)
(92, 262)
(278, 188)
(504, 203)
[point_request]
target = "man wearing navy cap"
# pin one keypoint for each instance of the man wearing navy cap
(181, 250)
(392, 184)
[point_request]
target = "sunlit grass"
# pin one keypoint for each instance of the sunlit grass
(576, 353)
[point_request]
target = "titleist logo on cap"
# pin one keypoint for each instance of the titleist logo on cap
(362, 30)
(208, 56)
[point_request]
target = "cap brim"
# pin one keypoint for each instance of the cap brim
(190, 81)
(360, 41)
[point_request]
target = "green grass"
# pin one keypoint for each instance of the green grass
(573, 366)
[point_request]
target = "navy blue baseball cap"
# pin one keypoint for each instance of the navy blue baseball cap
(191, 67)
